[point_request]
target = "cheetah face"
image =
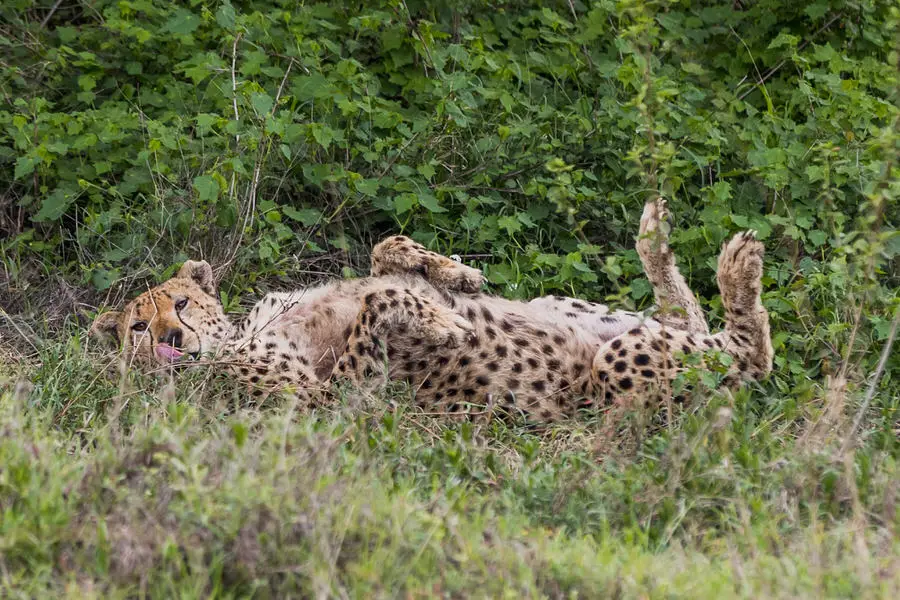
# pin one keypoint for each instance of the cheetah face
(178, 319)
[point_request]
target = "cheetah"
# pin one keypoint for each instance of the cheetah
(422, 317)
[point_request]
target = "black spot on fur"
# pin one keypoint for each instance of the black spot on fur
(642, 359)
(620, 366)
(625, 383)
(616, 344)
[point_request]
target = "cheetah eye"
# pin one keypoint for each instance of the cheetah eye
(139, 326)
(181, 304)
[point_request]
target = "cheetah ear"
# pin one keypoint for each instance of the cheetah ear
(106, 328)
(200, 273)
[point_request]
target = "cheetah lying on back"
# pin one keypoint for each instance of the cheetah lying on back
(420, 317)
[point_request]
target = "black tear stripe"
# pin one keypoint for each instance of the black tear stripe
(194, 331)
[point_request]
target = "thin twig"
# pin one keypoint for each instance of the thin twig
(50, 14)
(870, 393)
(257, 171)
(232, 191)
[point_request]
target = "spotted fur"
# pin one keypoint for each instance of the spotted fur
(421, 318)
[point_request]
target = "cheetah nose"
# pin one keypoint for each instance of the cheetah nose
(172, 337)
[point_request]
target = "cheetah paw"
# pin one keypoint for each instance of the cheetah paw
(461, 278)
(449, 329)
(653, 238)
(741, 260)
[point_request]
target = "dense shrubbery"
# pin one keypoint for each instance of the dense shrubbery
(279, 140)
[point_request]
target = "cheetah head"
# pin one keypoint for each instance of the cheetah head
(179, 318)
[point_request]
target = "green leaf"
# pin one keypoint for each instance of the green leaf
(307, 216)
(430, 202)
(404, 203)
(323, 134)
(692, 68)
(104, 278)
(426, 171)
(722, 191)
(311, 86)
(817, 238)
(367, 187)
(55, 205)
(557, 165)
(24, 166)
(512, 225)
(262, 103)
(207, 188)
(784, 39)
(225, 16)
(182, 22)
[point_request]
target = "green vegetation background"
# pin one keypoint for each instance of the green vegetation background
(279, 140)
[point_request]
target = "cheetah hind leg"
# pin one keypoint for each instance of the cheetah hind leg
(678, 307)
(399, 255)
(746, 336)
(391, 314)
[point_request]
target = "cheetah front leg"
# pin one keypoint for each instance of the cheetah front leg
(679, 308)
(391, 313)
(399, 255)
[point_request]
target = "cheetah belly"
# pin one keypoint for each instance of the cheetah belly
(593, 323)
(508, 361)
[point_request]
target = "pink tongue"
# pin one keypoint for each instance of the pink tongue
(167, 351)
